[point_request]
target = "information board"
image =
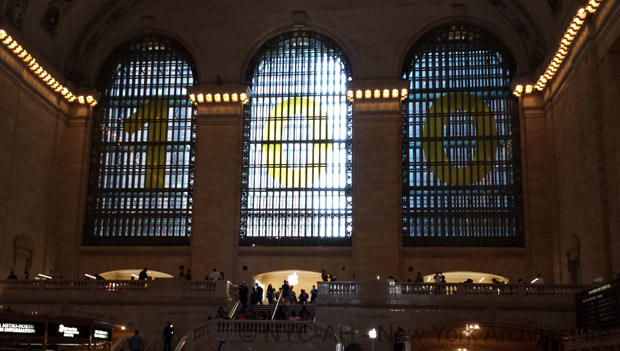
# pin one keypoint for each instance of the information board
(599, 308)
(22, 328)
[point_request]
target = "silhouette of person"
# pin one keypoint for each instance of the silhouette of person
(167, 336)
(135, 342)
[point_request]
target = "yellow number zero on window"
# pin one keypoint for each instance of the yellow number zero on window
(486, 148)
(155, 114)
(272, 143)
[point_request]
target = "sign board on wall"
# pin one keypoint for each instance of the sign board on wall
(68, 331)
(22, 328)
(102, 334)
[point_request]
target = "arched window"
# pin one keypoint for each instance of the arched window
(296, 182)
(461, 160)
(142, 157)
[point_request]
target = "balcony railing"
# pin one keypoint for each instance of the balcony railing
(244, 332)
(110, 290)
(483, 289)
(390, 292)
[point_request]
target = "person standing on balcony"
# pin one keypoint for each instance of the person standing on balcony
(418, 278)
(303, 297)
(313, 294)
(538, 280)
(135, 342)
(214, 276)
(259, 292)
(324, 275)
(143, 275)
(285, 292)
(12, 276)
(270, 293)
(167, 336)
(243, 295)
(254, 297)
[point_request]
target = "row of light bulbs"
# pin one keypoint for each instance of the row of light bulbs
(552, 68)
(38, 70)
(377, 94)
(226, 97)
(560, 54)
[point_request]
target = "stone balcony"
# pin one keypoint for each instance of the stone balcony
(446, 295)
(355, 307)
(112, 291)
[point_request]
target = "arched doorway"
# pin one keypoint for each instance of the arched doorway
(461, 276)
(126, 274)
(297, 278)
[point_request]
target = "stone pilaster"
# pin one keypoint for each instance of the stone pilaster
(539, 209)
(69, 200)
(219, 141)
(377, 181)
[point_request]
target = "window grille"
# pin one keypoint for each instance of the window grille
(461, 159)
(296, 181)
(142, 156)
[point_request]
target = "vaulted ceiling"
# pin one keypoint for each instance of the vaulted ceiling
(75, 36)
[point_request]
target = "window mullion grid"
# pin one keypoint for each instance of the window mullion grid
(297, 206)
(125, 208)
(133, 166)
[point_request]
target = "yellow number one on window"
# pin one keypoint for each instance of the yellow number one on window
(155, 114)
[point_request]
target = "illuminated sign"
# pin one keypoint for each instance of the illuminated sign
(68, 331)
(103, 334)
(18, 328)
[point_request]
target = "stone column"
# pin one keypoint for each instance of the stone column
(219, 142)
(377, 177)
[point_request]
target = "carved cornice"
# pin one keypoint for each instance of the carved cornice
(528, 31)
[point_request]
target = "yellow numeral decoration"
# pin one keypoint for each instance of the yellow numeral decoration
(155, 111)
(485, 151)
(272, 146)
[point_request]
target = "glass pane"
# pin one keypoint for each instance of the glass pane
(461, 171)
(142, 156)
(297, 153)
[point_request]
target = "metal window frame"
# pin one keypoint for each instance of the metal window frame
(442, 42)
(272, 49)
(146, 211)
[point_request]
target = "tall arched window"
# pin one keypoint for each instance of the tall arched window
(142, 156)
(296, 183)
(461, 162)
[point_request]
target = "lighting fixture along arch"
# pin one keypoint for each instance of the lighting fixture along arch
(200, 98)
(21, 53)
(565, 44)
(377, 94)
